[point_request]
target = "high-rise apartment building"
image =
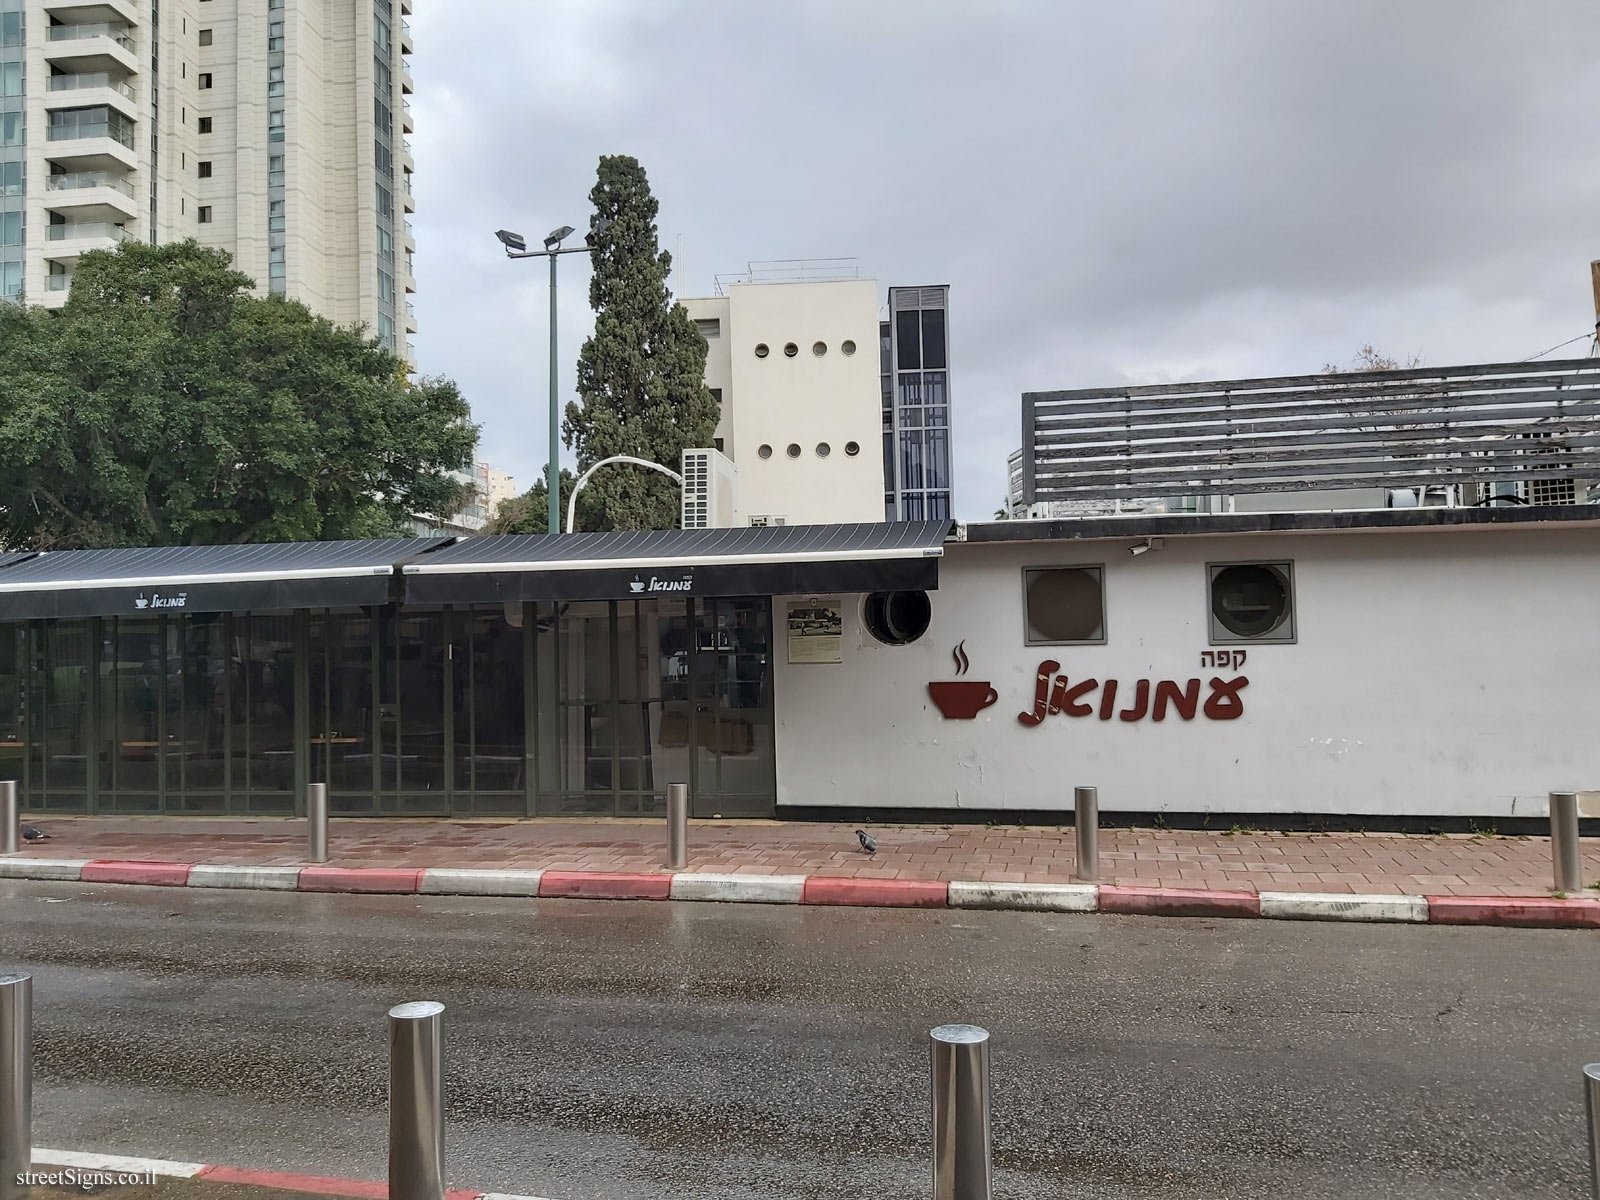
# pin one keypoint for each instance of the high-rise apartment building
(274, 129)
(914, 391)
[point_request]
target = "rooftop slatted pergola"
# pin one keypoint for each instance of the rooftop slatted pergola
(1388, 429)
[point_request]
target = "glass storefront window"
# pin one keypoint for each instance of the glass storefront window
(68, 695)
(487, 665)
(581, 708)
(269, 695)
(13, 699)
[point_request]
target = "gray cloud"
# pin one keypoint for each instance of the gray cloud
(1142, 190)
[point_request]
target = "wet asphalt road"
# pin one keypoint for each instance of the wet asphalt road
(633, 1051)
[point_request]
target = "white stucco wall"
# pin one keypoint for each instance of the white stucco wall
(1435, 672)
(809, 400)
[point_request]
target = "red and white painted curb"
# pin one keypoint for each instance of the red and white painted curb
(84, 1162)
(1538, 911)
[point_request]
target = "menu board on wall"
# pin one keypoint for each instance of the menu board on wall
(816, 631)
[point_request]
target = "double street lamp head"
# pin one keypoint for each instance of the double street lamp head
(513, 242)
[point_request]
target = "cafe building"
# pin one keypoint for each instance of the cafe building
(502, 676)
(1388, 664)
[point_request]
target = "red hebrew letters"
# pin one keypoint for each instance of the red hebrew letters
(1184, 701)
(1041, 689)
(1060, 696)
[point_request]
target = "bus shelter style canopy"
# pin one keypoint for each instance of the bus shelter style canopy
(488, 675)
(770, 561)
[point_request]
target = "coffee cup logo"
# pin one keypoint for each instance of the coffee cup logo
(636, 585)
(962, 699)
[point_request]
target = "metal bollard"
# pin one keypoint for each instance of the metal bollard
(1086, 823)
(677, 826)
(10, 817)
(1564, 841)
(317, 822)
(416, 1102)
(1591, 1093)
(960, 1113)
(16, 1082)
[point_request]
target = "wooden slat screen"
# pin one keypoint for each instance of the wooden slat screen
(1429, 425)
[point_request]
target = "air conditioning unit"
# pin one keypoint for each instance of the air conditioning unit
(710, 490)
(765, 519)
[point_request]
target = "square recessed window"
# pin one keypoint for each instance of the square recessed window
(205, 80)
(205, 37)
(205, 124)
(1250, 602)
(205, 214)
(205, 169)
(1064, 606)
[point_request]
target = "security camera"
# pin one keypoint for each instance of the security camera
(1148, 544)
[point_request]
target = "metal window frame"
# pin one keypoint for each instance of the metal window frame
(1218, 634)
(1027, 623)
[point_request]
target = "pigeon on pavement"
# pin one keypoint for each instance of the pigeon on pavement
(868, 844)
(30, 834)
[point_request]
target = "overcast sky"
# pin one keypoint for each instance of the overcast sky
(1129, 191)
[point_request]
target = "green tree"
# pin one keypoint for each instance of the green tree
(529, 513)
(164, 404)
(641, 376)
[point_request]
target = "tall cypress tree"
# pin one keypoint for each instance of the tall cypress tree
(642, 375)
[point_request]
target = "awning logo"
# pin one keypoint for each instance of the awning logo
(640, 586)
(157, 600)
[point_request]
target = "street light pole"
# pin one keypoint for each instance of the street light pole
(517, 247)
(553, 478)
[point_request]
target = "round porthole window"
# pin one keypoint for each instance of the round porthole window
(790, 350)
(897, 618)
(794, 450)
(823, 449)
(852, 448)
(764, 452)
(847, 347)
(761, 350)
(1250, 600)
(819, 348)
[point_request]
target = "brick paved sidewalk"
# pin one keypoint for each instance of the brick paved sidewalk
(1451, 864)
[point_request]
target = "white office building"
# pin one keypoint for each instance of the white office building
(273, 129)
(794, 368)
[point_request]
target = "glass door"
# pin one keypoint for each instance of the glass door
(411, 712)
(730, 680)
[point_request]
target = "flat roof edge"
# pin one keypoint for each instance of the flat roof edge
(1203, 524)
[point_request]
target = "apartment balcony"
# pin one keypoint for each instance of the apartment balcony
(407, 163)
(85, 12)
(411, 318)
(85, 88)
(407, 84)
(91, 47)
(407, 125)
(91, 196)
(410, 240)
(405, 8)
(65, 243)
(56, 288)
(91, 147)
(407, 46)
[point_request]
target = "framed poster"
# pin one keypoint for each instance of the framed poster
(816, 631)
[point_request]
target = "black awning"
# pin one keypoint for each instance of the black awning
(182, 579)
(764, 561)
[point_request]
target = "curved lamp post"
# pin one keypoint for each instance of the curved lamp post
(577, 484)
